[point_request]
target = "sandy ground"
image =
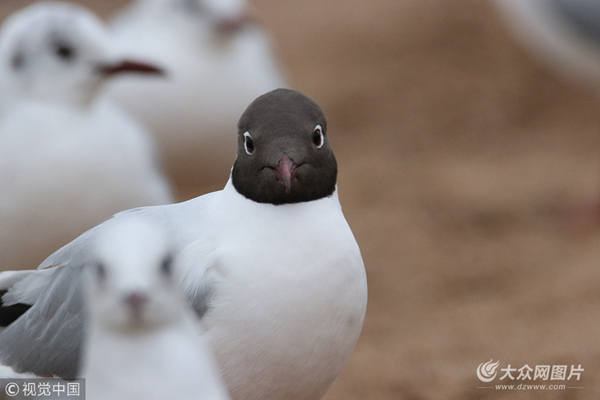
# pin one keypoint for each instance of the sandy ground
(463, 162)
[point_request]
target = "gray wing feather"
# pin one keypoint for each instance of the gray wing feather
(200, 293)
(47, 339)
(199, 264)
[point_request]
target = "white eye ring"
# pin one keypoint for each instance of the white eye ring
(248, 143)
(318, 137)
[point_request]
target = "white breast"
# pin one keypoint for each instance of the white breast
(291, 305)
(64, 170)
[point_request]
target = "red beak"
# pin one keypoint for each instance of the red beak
(129, 66)
(286, 171)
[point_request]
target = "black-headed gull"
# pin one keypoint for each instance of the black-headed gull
(269, 264)
(143, 341)
(69, 159)
(217, 61)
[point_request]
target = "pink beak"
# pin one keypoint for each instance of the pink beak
(286, 171)
(136, 302)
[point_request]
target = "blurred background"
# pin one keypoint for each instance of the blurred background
(469, 171)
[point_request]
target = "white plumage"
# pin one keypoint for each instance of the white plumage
(69, 158)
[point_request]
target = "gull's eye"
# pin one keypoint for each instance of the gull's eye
(318, 138)
(166, 266)
(100, 271)
(64, 51)
(17, 61)
(248, 144)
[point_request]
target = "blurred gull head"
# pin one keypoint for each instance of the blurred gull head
(133, 285)
(214, 18)
(53, 51)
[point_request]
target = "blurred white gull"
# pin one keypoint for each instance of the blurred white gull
(143, 339)
(69, 159)
(563, 33)
(217, 61)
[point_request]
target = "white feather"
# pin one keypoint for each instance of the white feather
(69, 158)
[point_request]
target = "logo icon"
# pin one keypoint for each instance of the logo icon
(486, 372)
(12, 389)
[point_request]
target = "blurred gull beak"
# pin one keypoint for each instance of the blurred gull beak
(108, 70)
(233, 24)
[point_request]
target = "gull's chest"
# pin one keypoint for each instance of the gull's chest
(290, 292)
(289, 255)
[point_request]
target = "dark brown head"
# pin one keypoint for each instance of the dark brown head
(283, 150)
